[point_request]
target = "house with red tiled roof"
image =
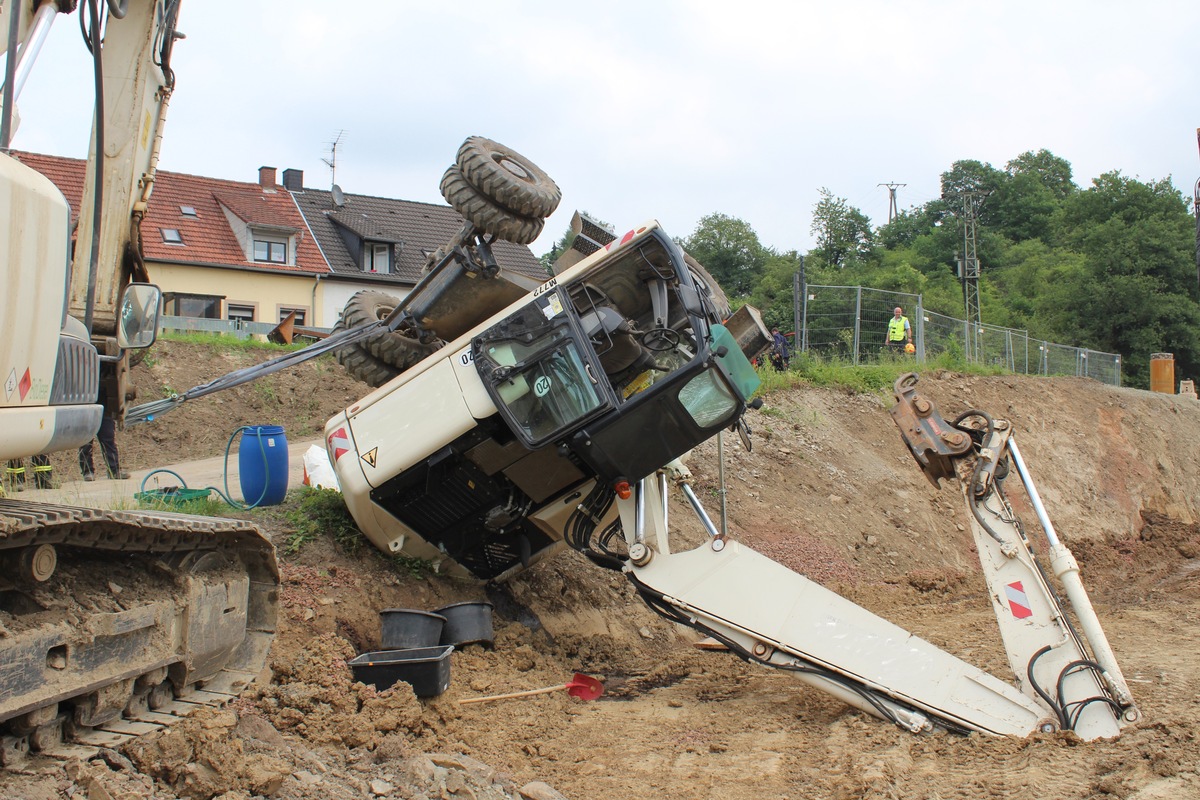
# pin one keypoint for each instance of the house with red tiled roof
(219, 249)
(258, 251)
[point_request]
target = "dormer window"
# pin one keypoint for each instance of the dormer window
(270, 249)
(377, 257)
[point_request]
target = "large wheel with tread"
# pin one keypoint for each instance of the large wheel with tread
(392, 348)
(361, 365)
(507, 178)
(485, 214)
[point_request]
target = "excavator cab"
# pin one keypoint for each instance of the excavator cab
(622, 366)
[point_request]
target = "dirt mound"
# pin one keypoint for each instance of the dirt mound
(830, 491)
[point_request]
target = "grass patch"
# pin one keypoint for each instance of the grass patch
(219, 343)
(323, 512)
(207, 506)
(875, 377)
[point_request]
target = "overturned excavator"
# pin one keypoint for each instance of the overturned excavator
(514, 420)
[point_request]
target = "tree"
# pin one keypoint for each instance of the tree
(1028, 194)
(969, 176)
(730, 250)
(843, 232)
(1137, 293)
(1049, 170)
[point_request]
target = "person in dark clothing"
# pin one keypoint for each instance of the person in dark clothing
(108, 448)
(779, 351)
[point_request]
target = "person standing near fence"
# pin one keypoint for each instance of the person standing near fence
(899, 331)
(779, 351)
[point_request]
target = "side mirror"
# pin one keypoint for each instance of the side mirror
(137, 326)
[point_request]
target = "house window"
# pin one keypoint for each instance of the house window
(376, 257)
(171, 235)
(271, 250)
(300, 314)
(188, 211)
(240, 312)
(195, 305)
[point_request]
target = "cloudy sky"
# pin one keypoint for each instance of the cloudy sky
(669, 109)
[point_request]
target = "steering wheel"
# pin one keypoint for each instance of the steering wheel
(659, 340)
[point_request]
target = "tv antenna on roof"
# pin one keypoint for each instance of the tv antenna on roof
(331, 162)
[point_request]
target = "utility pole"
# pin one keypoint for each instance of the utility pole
(893, 212)
(968, 271)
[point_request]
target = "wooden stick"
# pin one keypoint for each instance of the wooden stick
(512, 694)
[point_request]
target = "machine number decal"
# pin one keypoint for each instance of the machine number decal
(541, 387)
(1018, 602)
(371, 456)
(467, 358)
(545, 287)
(339, 443)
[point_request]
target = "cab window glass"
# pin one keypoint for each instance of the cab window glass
(708, 399)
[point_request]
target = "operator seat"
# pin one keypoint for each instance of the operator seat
(615, 341)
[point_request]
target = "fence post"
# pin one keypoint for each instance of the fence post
(857, 322)
(920, 334)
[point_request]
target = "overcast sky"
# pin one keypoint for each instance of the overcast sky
(668, 110)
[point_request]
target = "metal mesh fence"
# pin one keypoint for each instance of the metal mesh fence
(850, 322)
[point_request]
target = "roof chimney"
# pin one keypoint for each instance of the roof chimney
(293, 180)
(266, 177)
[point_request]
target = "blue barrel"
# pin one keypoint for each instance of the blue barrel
(263, 465)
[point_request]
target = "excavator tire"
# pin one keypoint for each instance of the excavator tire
(118, 623)
(484, 214)
(361, 365)
(392, 348)
(507, 178)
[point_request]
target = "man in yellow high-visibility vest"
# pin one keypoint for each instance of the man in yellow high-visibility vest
(899, 330)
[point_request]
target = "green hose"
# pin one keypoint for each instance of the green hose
(182, 493)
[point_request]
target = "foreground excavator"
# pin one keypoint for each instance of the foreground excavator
(112, 623)
(561, 419)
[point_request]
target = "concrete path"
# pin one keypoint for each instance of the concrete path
(105, 493)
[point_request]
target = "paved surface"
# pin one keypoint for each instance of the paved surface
(208, 472)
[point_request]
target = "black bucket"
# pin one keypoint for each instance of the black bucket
(407, 627)
(467, 623)
(426, 669)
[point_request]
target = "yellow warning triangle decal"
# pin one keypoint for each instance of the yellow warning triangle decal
(370, 457)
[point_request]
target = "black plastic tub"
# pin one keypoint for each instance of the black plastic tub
(408, 627)
(467, 623)
(426, 669)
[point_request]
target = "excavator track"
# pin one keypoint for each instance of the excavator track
(114, 624)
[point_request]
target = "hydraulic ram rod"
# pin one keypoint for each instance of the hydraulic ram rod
(1067, 569)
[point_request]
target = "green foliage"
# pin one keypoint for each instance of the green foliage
(876, 378)
(730, 250)
(323, 512)
(218, 343)
(415, 567)
(205, 506)
(1110, 268)
(844, 233)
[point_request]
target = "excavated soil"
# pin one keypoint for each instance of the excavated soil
(830, 491)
